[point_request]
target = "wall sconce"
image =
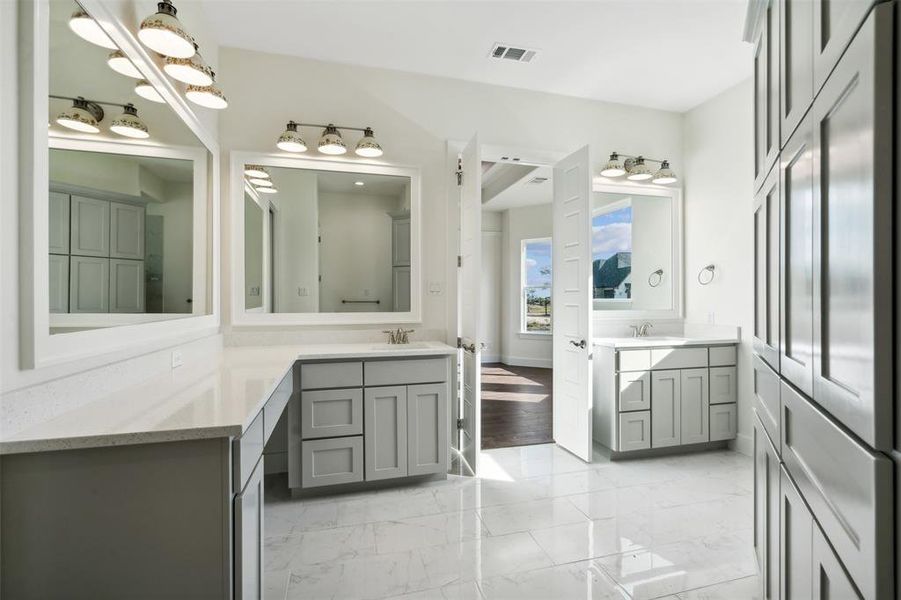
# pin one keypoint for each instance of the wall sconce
(635, 169)
(331, 142)
(85, 115)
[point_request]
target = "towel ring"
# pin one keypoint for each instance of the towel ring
(655, 282)
(708, 269)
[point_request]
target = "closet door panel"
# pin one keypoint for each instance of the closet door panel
(59, 223)
(834, 24)
(766, 93)
(126, 286)
(796, 543)
(88, 285)
(796, 62)
(766, 271)
(126, 231)
(59, 283)
(90, 226)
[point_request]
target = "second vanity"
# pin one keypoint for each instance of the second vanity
(654, 393)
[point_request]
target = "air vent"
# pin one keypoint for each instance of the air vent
(507, 52)
(537, 180)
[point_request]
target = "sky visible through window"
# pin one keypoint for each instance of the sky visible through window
(538, 263)
(537, 286)
(611, 232)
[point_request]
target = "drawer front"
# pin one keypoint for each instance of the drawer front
(314, 376)
(634, 431)
(633, 360)
(403, 372)
(723, 356)
(246, 451)
(634, 391)
(723, 422)
(848, 487)
(766, 399)
(723, 385)
(332, 461)
(678, 358)
(331, 413)
(276, 404)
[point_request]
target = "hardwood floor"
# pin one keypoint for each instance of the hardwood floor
(517, 406)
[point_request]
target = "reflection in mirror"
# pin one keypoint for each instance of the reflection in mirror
(632, 251)
(127, 178)
(337, 241)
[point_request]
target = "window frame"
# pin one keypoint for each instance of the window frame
(523, 304)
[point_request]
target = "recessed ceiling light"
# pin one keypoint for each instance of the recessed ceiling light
(359, 183)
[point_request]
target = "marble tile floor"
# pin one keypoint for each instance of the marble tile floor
(538, 523)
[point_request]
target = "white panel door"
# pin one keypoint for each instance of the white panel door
(469, 276)
(571, 301)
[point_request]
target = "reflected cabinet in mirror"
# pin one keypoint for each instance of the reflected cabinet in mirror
(128, 191)
(636, 258)
(333, 239)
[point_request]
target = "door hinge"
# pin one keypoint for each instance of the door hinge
(459, 342)
(459, 423)
(459, 171)
(459, 261)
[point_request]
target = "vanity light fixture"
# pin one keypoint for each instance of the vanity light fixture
(83, 115)
(145, 90)
(367, 147)
(260, 182)
(208, 96)
(122, 65)
(267, 190)
(85, 27)
(635, 169)
(162, 32)
(128, 124)
(192, 70)
(331, 142)
(256, 171)
(360, 183)
(290, 140)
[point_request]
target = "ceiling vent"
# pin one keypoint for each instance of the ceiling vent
(537, 180)
(508, 52)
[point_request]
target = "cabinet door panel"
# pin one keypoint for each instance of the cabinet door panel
(634, 431)
(666, 408)
(88, 284)
(853, 196)
(634, 390)
(59, 223)
(834, 24)
(331, 461)
(766, 511)
(126, 231)
(249, 538)
(723, 422)
(400, 246)
(401, 288)
(766, 94)
(695, 405)
(767, 398)
(830, 580)
(723, 385)
(385, 426)
(766, 271)
(126, 286)
(59, 283)
(427, 429)
(796, 543)
(331, 413)
(796, 62)
(90, 226)
(796, 186)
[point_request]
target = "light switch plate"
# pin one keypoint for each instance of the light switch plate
(177, 359)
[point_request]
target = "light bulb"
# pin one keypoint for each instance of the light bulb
(256, 171)
(208, 96)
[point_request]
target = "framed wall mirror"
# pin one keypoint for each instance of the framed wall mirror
(636, 252)
(123, 186)
(324, 242)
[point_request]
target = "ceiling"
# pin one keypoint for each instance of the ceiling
(524, 192)
(665, 54)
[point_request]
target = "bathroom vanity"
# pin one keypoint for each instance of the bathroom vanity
(653, 393)
(185, 452)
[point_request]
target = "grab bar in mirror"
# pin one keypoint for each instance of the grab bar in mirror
(361, 301)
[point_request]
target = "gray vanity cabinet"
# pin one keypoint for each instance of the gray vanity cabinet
(795, 543)
(796, 63)
(249, 532)
(385, 410)
(666, 406)
(834, 25)
(695, 406)
(766, 94)
(427, 436)
(767, 499)
(766, 270)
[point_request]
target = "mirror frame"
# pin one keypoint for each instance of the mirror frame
(601, 184)
(242, 317)
(37, 348)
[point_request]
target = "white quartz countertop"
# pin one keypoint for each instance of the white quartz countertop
(218, 398)
(663, 341)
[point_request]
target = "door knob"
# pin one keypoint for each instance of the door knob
(579, 344)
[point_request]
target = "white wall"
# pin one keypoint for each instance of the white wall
(524, 349)
(492, 285)
(296, 249)
(253, 253)
(718, 197)
(178, 246)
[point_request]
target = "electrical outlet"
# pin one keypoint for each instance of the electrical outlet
(177, 359)
(254, 290)
(435, 288)
(711, 318)
(302, 291)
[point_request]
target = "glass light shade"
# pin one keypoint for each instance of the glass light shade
(122, 65)
(78, 118)
(331, 142)
(290, 140)
(664, 175)
(367, 147)
(639, 171)
(256, 171)
(162, 32)
(260, 182)
(266, 190)
(208, 96)
(193, 70)
(87, 29)
(128, 124)
(145, 90)
(613, 168)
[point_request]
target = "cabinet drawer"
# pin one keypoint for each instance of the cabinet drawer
(766, 398)
(723, 385)
(331, 413)
(723, 422)
(332, 461)
(634, 431)
(723, 356)
(277, 402)
(402, 372)
(848, 487)
(315, 376)
(246, 451)
(633, 360)
(634, 391)
(678, 358)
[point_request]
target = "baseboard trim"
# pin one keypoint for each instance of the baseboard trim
(515, 361)
(491, 358)
(743, 444)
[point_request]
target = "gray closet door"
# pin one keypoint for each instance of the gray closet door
(401, 284)
(249, 538)
(90, 226)
(766, 270)
(126, 231)
(427, 429)
(853, 274)
(666, 408)
(400, 247)
(59, 283)
(385, 427)
(695, 406)
(126, 286)
(796, 62)
(830, 580)
(795, 543)
(766, 511)
(796, 310)
(88, 285)
(834, 24)
(58, 233)
(766, 94)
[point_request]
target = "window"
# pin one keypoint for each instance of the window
(535, 279)
(611, 252)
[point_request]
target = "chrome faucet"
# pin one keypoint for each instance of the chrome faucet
(398, 336)
(643, 329)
